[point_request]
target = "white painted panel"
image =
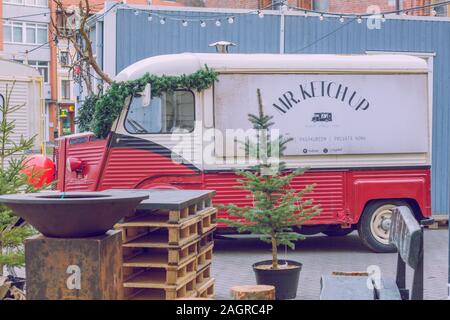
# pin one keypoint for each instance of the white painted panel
(331, 113)
(25, 95)
(19, 97)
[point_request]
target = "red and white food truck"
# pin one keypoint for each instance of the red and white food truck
(361, 123)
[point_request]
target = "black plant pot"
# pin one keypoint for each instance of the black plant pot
(285, 281)
(17, 282)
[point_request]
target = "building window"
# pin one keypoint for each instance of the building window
(320, 5)
(64, 58)
(65, 89)
(166, 114)
(42, 67)
(25, 32)
(12, 32)
(36, 3)
(7, 35)
(66, 24)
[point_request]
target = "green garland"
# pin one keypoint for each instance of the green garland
(100, 111)
(86, 113)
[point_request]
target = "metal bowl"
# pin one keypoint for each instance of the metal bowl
(73, 214)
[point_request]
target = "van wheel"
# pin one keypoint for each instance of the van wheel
(335, 230)
(374, 224)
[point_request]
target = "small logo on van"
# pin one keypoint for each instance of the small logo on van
(322, 117)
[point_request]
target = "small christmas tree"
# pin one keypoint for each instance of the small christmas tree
(277, 206)
(12, 180)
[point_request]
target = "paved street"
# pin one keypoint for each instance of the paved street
(322, 255)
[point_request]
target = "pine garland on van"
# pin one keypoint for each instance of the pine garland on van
(100, 111)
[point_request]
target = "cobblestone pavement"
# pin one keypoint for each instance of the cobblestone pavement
(321, 255)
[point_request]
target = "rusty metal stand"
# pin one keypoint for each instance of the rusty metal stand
(74, 269)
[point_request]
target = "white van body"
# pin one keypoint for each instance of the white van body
(377, 105)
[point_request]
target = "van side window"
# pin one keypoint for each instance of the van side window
(174, 111)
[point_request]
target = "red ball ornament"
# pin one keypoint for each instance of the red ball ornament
(39, 170)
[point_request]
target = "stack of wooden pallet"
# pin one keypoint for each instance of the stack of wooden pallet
(168, 250)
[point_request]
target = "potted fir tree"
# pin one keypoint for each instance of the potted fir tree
(13, 230)
(277, 207)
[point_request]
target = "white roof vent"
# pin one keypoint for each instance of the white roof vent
(222, 46)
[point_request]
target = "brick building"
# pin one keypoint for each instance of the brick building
(335, 6)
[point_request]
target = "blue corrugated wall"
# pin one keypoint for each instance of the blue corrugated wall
(137, 38)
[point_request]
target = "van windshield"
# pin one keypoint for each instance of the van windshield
(171, 112)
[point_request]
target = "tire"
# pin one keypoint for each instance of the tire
(373, 226)
(336, 231)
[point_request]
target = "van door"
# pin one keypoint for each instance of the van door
(158, 144)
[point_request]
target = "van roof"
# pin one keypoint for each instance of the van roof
(186, 63)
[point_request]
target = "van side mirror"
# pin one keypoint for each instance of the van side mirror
(147, 95)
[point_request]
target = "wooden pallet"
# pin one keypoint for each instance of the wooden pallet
(156, 220)
(161, 249)
(204, 257)
(186, 290)
(155, 279)
(148, 231)
(204, 204)
(206, 290)
(440, 221)
(176, 216)
(204, 282)
(130, 234)
(160, 277)
(169, 216)
(207, 220)
(205, 240)
(159, 257)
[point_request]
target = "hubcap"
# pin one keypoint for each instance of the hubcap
(386, 224)
(381, 222)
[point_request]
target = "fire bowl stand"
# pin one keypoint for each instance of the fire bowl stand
(77, 256)
(74, 269)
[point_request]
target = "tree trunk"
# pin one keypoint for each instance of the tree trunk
(274, 253)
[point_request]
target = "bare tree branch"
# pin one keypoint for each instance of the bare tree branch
(79, 39)
(89, 52)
